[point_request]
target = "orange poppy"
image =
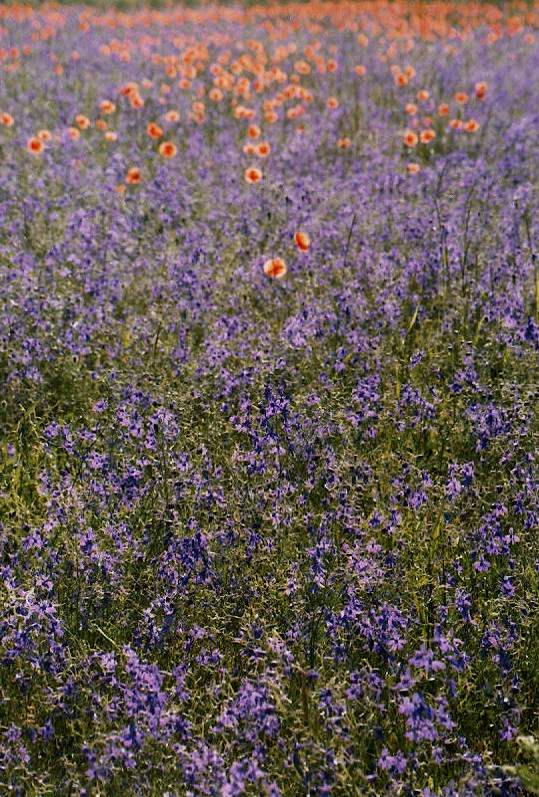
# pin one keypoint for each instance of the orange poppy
(215, 94)
(481, 90)
(73, 133)
(410, 108)
(111, 135)
(154, 131)
(302, 241)
(413, 168)
(136, 101)
(168, 149)
(275, 268)
(361, 70)
(6, 119)
(241, 112)
(82, 121)
(400, 79)
(471, 126)
(101, 124)
(427, 135)
(332, 103)
(133, 176)
(35, 145)
(302, 68)
(263, 149)
(129, 88)
(44, 135)
(422, 95)
(409, 71)
(443, 109)
(331, 65)
(344, 143)
(410, 138)
(172, 116)
(249, 149)
(252, 175)
(461, 97)
(455, 124)
(295, 112)
(253, 131)
(106, 107)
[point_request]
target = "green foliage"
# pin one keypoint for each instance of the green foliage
(528, 772)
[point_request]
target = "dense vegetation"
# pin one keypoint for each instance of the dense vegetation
(269, 344)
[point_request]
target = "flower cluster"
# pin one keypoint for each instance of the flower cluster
(269, 356)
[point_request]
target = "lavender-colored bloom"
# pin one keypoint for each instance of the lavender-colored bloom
(268, 536)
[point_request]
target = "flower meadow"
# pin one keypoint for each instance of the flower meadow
(269, 359)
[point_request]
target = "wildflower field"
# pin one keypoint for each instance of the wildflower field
(269, 371)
